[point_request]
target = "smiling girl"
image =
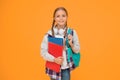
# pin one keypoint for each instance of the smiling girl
(59, 30)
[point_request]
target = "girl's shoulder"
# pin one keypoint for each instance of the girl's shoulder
(49, 32)
(74, 31)
(71, 29)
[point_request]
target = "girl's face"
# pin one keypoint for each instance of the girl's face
(60, 18)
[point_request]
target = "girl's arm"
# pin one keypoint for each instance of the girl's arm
(44, 50)
(75, 45)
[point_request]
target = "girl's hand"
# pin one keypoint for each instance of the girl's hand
(58, 60)
(70, 39)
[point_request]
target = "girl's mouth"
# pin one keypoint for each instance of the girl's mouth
(61, 21)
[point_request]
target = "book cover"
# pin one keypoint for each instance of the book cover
(55, 48)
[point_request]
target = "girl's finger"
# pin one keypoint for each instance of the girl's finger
(60, 57)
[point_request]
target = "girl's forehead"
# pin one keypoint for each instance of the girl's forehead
(60, 12)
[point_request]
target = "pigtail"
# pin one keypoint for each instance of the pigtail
(65, 34)
(52, 27)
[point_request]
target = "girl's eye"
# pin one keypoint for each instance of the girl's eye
(58, 15)
(63, 15)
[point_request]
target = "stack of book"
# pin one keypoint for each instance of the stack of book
(55, 48)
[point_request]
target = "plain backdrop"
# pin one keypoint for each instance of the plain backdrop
(23, 23)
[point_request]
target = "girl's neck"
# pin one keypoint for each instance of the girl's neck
(60, 26)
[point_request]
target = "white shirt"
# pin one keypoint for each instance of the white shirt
(49, 57)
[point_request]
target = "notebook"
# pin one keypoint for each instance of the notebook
(55, 48)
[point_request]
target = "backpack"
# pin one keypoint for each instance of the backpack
(75, 56)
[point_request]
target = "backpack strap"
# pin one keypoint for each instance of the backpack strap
(69, 31)
(69, 50)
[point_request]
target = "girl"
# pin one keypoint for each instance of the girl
(59, 29)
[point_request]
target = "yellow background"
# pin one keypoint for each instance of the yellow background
(23, 24)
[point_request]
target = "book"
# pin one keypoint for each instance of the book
(55, 48)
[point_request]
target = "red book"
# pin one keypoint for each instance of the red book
(55, 48)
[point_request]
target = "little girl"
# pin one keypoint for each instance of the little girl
(59, 30)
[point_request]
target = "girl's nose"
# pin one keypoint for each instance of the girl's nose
(61, 17)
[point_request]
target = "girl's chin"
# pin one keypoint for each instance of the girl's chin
(61, 24)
